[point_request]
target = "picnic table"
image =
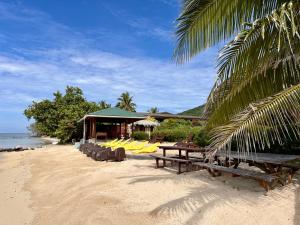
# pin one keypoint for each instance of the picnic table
(180, 158)
(276, 168)
(180, 149)
(267, 162)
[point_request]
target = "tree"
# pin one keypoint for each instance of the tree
(255, 100)
(59, 117)
(104, 105)
(153, 110)
(125, 101)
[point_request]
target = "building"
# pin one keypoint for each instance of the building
(114, 122)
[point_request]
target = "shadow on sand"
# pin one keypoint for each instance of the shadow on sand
(203, 198)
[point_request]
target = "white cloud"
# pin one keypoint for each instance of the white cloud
(34, 73)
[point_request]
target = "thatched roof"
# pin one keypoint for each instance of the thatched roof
(147, 123)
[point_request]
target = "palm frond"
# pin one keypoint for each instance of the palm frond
(251, 67)
(279, 112)
(203, 23)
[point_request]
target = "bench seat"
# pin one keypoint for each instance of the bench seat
(172, 159)
(267, 181)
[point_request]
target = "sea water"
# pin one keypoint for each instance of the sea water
(11, 140)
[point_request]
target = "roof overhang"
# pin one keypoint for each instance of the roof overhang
(111, 117)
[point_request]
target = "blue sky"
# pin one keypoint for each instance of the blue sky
(103, 47)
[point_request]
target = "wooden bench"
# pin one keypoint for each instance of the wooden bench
(172, 159)
(267, 181)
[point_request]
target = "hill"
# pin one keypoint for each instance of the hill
(197, 111)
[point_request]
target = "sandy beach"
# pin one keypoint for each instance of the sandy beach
(59, 185)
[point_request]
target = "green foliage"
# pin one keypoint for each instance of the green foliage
(204, 23)
(201, 137)
(125, 101)
(175, 130)
(140, 135)
(174, 123)
(59, 117)
(197, 111)
(33, 129)
(171, 135)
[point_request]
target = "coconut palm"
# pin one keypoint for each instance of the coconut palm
(255, 100)
(153, 110)
(125, 101)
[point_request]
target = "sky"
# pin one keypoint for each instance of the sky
(103, 47)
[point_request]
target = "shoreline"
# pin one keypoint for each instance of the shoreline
(49, 140)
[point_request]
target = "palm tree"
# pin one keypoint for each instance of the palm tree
(104, 105)
(255, 100)
(125, 101)
(153, 110)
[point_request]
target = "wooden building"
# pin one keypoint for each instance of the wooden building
(114, 122)
(109, 123)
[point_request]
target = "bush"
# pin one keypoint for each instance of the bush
(201, 138)
(140, 135)
(174, 123)
(182, 133)
(171, 135)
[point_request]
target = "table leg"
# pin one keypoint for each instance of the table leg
(186, 155)
(179, 167)
(157, 163)
(164, 161)
(180, 154)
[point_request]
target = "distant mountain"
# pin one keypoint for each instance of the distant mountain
(197, 111)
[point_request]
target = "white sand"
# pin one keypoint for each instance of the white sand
(59, 185)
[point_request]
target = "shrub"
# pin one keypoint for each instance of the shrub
(201, 138)
(171, 135)
(181, 133)
(140, 135)
(174, 123)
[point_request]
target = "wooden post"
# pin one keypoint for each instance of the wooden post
(84, 131)
(90, 129)
(94, 128)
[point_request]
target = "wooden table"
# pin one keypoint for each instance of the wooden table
(269, 163)
(180, 149)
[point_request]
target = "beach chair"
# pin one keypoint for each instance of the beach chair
(110, 142)
(137, 146)
(114, 143)
(120, 144)
(129, 144)
(148, 149)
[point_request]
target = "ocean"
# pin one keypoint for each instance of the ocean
(10, 140)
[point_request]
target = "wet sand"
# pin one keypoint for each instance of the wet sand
(59, 185)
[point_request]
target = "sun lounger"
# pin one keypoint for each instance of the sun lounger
(113, 143)
(148, 149)
(110, 142)
(137, 146)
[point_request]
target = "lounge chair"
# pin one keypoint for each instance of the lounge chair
(122, 144)
(110, 142)
(148, 149)
(117, 143)
(137, 146)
